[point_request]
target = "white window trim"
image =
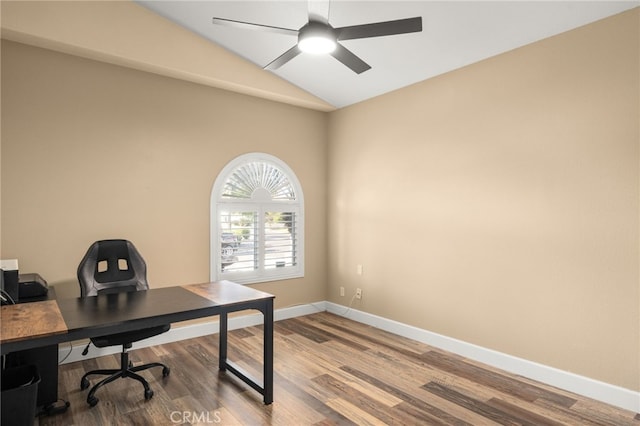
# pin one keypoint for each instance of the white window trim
(297, 206)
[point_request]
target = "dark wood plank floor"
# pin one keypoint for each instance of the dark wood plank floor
(328, 371)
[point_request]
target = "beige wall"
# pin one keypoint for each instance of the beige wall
(92, 151)
(499, 204)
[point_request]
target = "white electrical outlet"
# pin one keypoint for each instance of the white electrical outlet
(342, 291)
(358, 293)
(359, 270)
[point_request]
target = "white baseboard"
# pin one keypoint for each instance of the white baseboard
(610, 394)
(605, 392)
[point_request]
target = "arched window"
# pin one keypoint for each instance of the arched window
(257, 221)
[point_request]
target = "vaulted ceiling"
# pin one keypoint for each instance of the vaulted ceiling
(455, 34)
(179, 40)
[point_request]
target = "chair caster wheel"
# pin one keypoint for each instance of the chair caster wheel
(148, 394)
(165, 371)
(84, 383)
(92, 401)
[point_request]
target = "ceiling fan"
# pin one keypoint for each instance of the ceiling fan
(319, 37)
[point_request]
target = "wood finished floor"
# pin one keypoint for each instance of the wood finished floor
(328, 371)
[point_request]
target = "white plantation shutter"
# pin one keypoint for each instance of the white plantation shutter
(257, 221)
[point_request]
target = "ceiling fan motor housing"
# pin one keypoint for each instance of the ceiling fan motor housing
(317, 37)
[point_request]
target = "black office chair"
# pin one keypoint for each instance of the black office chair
(113, 266)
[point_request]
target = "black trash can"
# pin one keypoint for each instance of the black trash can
(19, 395)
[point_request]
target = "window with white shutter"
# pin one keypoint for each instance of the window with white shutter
(257, 227)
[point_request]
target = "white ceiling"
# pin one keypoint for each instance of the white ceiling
(455, 34)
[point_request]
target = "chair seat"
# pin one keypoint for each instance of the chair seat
(129, 336)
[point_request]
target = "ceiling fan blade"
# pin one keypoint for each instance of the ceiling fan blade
(250, 26)
(283, 59)
(345, 56)
(319, 11)
(379, 29)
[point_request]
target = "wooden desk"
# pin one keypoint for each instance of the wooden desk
(49, 322)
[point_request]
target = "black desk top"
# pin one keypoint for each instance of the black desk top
(53, 321)
(131, 310)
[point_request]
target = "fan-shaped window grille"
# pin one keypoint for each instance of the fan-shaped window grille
(258, 178)
(257, 225)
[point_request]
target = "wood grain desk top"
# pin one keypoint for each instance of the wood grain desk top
(28, 320)
(227, 292)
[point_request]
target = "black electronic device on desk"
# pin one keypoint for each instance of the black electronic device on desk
(9, 286)
(31, 286)
(16, 286)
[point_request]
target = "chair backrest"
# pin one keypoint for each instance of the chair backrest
(112, 266)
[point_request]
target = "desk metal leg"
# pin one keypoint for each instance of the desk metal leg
(225, 365)
(222, 359)
(268, 352)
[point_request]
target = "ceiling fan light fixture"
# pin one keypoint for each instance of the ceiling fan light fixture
(317, 45)
(317, 39)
